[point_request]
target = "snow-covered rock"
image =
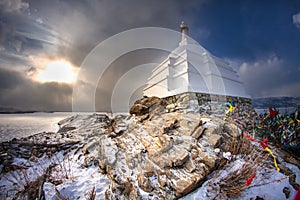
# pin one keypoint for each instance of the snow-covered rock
(151, 154)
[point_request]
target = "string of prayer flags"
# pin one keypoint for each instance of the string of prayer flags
(264, 145)
(275, 162)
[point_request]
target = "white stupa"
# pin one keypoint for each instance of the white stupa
(191, 68)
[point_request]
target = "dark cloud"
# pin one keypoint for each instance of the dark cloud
(2, 31)
(21, 34)
(84, 25)
(242, 30)
(56, 28)
(9, 80)
(20, 92)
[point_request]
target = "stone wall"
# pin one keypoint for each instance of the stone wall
(207, 103)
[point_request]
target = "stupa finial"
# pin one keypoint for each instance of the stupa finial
(184, 32)
(184, 27)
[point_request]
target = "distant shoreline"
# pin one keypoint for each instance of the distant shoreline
(24, 112)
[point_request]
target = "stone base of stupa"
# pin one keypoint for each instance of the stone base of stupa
(208, 103)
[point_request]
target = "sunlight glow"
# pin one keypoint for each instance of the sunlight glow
(57, 71)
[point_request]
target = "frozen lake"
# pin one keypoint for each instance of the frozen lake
(21, 125)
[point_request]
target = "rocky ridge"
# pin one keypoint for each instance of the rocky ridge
(157, 154)
(159, 151)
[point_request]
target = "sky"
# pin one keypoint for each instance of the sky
(260, 38)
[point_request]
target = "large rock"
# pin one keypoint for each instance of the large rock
(144, 183)
(150, 101)
(175, 157)
(139, 109)
(208, 159)
(148, 104)
(170, 140)
(232, 129)
(188, 183)
(214, 140)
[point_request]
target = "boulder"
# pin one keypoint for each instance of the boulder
(187, 184)
(144, 183)
(175, 157)
(214, 140)
(232, 129)
(208, 159)
(190, 166)
(198, 132)
(139, 109)
(150, 101)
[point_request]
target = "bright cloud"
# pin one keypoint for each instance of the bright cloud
(57, 71)
(268, 77)
(11, 6)
(46, 69)
(296, 20)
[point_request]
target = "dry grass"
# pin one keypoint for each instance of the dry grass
(91, 194)
(60, 196)
(60, 170)
(236, 147)
(24, 188)
(239, 147)
(235, 182)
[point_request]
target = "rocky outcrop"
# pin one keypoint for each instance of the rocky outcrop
(146, 105)
(162, 150)
(139, 109)
(159, 154)
(33, 147)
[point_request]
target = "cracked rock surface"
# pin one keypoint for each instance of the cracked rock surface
(154, 154)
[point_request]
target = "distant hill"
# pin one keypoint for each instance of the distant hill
(8, 110)
(278, 102)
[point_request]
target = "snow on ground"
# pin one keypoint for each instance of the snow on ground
(268, 184)
(205, 192)
(77, 179)
(296, 170)
(272, 188)
(80, 181)
(16, 180)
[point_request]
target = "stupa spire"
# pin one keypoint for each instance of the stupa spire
(184, 32)
(184, 28)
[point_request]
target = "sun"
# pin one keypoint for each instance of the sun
(57, 71)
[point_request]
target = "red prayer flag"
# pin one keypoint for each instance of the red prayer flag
(248, 137)
(263, 144)
(249, 180)
(273, 113)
